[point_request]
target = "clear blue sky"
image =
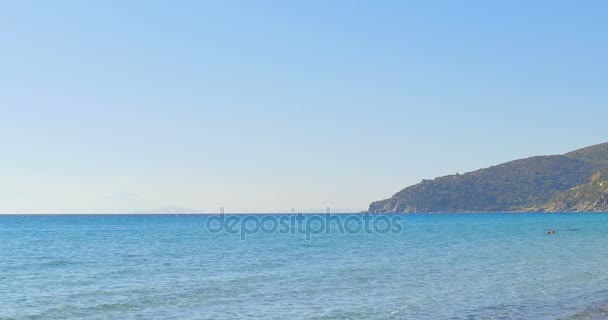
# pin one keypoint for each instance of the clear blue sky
(261, 106)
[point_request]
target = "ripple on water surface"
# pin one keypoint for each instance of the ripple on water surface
(500, 266)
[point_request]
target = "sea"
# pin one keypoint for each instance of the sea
(351, 266)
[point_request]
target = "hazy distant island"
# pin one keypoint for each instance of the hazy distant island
(574, 182)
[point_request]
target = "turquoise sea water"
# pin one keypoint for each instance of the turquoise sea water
(439, 266)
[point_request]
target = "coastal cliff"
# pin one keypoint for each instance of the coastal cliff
(588, 197)
(541, 183)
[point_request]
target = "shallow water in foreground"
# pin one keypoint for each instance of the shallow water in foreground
(439, 266)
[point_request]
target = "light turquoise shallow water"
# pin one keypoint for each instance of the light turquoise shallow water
(477, 266)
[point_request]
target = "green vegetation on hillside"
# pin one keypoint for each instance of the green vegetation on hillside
(597, 153)
(589, 197)
(513, 186)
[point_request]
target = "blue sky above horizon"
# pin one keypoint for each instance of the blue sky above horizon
(263, 106)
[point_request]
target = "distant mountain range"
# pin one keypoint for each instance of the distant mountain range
(575, 181)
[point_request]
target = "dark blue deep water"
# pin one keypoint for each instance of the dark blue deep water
(438, 266)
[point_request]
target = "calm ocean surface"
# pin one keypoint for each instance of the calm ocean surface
(477, 266)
